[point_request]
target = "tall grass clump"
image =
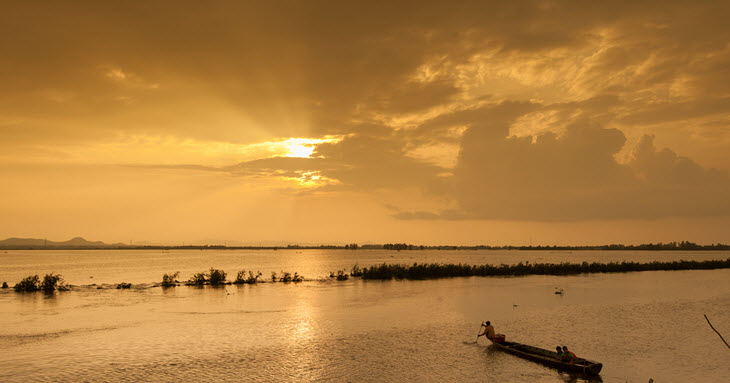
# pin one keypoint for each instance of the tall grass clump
(438, 270)
(169, 280)
(217, 277)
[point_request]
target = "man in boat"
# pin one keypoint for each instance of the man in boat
(488, 331)
(560, 352)
(568, 356)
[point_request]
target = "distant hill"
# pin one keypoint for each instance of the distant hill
(73, 243)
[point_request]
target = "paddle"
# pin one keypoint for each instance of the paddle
(480, 330)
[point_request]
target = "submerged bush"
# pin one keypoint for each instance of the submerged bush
(297, 278)
(124, 285)
(342, 276)
(5, 285)
(197, 279)
(356, 271)
(28, 284)
(252, 278)
(286, 277)
(169, 280)
(217, 277)
(52, 282)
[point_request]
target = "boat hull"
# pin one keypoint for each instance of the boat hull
(549, 358)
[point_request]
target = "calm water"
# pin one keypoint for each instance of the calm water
(640, 325)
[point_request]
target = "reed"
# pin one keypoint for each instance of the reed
(438, 270)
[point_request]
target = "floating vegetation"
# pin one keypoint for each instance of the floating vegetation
(438, 270)
(170, 280)
(124, 285)
(252, 278)
(217, 277)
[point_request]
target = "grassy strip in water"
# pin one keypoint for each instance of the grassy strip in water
(438, 270)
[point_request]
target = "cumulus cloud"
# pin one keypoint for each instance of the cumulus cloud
(575, 176)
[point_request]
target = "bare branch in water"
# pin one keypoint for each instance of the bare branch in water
(718, 333)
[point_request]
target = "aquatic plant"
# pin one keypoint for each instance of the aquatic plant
(356, 271)
(342, 276)
(217, 277)
(286, 277)
(28, 284)
(5, 285)
(297, 278)
(273, 276)
(124, 285)
(169, 280)
(438, 270)
(240, 278)
(252, 278)
(52, 282)
(198, 279)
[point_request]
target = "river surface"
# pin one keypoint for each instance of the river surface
(640, 325)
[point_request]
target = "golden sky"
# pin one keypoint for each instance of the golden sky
(543, 122)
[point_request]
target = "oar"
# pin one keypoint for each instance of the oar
(480, 330)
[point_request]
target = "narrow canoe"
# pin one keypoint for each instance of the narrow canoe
(549, 358)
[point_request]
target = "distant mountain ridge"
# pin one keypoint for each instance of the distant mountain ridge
(73, 243)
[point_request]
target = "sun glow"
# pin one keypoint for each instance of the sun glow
(304, 147)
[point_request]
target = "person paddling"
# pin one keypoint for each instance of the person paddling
(488, 331)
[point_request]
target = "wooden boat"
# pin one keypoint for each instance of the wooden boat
(549, 358)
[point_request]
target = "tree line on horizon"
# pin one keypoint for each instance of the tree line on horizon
(683, 245)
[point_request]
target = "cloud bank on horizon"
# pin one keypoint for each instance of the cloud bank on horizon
(530, 111)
